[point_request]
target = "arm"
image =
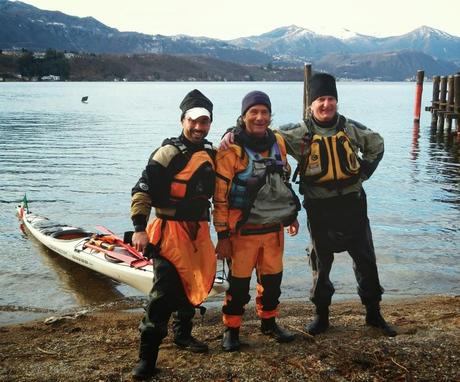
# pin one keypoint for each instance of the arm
(293, 134)
(152, 189)
(225, 172)
(371, 145)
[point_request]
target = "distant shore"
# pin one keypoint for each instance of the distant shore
(102, 346)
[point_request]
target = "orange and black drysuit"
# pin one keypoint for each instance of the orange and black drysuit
(254, 245)
(178, 181)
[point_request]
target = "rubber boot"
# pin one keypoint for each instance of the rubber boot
(231, 339)
(270, 328)
(320, 322)
(183, 338)
(148, 354)
(374, 318)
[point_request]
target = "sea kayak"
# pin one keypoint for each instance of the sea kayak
(102, 252)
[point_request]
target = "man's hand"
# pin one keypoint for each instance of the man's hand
(226, 141)
(293, 229)
(224, 249)
(140, 240)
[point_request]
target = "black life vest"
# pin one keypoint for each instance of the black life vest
(191, 186)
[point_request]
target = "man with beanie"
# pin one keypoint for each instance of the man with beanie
(253, 200)
(177, 182)
(335, 156)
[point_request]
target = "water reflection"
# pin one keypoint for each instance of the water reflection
(444, 161)
(85, 285)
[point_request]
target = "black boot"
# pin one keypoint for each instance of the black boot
(191, 343)
(148, 354)
(144, 370)
(270, 328)
(231, 339)
(320, 322)
(374, 318)
(182, 327)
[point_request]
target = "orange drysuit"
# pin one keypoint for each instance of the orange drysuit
(253, 246)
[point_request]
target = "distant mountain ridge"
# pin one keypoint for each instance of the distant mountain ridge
(350, 55)
(293, 44)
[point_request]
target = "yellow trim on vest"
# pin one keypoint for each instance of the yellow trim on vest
(331, 159)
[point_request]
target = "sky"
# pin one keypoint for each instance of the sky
(228, 19)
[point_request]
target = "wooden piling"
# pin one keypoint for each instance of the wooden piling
(418, 95)
(457, 100)
(442, 104)
(450, 103)
(445, 104)
(306, 82)
(435, 102)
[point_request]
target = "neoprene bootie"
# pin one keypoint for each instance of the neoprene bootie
(320, 322)
(374, 318)
(231, 339)
(269, 327)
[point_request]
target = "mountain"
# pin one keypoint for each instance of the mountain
(24, 26)
(346, 53)
(389, 66)
(292, 44)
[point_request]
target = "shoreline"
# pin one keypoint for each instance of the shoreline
(27, 314)
(101, 345)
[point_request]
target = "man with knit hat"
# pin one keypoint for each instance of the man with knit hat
(335, 156)
(253, 200)
(177, 182)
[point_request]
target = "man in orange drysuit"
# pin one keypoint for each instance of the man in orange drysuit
(253, 200)
(178, 181)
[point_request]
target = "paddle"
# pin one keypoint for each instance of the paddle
(120, 242)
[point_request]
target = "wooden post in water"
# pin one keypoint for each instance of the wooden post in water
(442, 104)
(418, 95)
(457, 100)
(450, 103)
(306, 96)
(435, 102)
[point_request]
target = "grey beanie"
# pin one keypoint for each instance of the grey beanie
(255, 98)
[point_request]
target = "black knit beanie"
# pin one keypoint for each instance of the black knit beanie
(255, 98)
(321, 85)
(195, 99)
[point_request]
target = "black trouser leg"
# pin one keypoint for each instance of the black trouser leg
(272, 291)
(365, 267)
(167, 292)
(321, 260)
(239, 295)
(182, 322)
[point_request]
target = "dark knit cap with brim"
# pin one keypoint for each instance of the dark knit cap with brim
(195, 99)
(322, 85)
(255, 98)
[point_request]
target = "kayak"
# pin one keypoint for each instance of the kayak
(102, 252)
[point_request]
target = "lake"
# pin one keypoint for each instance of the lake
(78, 161)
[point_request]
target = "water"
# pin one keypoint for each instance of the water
(77, 162)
